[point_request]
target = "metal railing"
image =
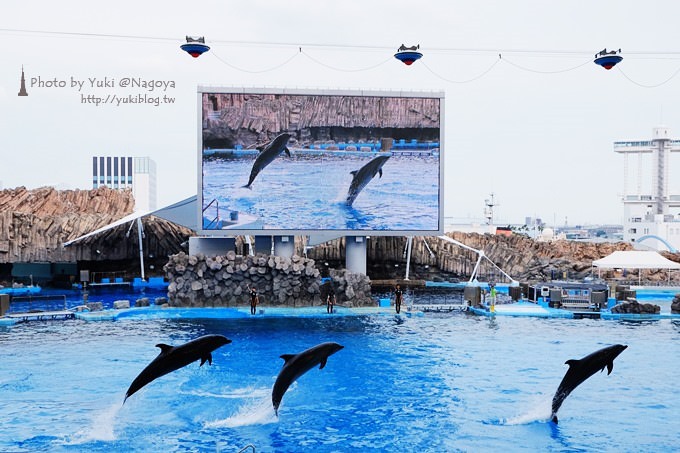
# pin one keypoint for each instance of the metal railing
(217, 215)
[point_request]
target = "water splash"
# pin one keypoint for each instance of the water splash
(238, 393)
(538, 411)
(255, 412)
(101, 428)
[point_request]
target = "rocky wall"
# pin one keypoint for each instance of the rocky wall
(523, 258)
(35, 223)
(223, 281)
(236, 118)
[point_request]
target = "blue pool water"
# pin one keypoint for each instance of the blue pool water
(434, 383)
(60, 299)
(309, 192)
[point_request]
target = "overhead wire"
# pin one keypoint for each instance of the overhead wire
(677, 71)
(85, 35)
(475, 78)
(556, 52)
(364, 47)
(251, 71)
(368, 68)
(537, 71)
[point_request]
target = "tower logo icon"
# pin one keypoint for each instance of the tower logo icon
(22, 90)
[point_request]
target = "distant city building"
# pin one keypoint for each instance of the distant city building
(534, 222)
(135, 173)
(651, 206)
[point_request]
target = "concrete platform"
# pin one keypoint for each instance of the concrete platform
(522, 308)
(153, 312)
(40, 315)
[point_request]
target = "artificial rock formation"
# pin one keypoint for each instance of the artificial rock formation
(223, 280)
(351, 289)
(235, 118)
(632, 306)
(523, 258)
(34, 225)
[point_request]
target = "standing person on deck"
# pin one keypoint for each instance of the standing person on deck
(253, 300)
(398, 295)
(330, 302)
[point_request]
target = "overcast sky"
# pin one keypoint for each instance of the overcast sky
(534, 127)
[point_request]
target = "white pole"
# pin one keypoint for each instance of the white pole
(474, 271)
(408, 255)
(141, 246)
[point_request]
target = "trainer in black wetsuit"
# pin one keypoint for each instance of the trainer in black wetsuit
(397, 298)
(330, 302)
(253, 301)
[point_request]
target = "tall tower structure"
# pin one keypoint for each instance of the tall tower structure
(488, 209)
(650, 210)
(22, 89)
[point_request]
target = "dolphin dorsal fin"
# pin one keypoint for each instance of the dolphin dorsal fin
(353, 172)
(259, 148)
(165, 348)
(380, 172)
(571, 362)
(323, 363)
(208, 358)
(287, 357)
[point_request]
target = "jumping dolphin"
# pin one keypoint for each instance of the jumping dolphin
(363, 176)
(580, 370)
(267, 155)
(298, 364)
(173, 358)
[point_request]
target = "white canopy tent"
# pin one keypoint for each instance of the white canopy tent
(635, 259)
(182, 213)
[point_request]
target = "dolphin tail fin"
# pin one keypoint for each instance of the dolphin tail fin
(247, 186)
(207, 358)
(554, 418)
(323, 363)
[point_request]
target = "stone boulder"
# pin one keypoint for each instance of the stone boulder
(142, 302)
(121, 304)
(159, 301)
(675, 305)
(632, 306)
(95, 306)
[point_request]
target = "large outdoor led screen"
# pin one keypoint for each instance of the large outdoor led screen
(300, 162)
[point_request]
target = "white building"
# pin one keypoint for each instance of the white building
(135, 173)
(651, 200)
